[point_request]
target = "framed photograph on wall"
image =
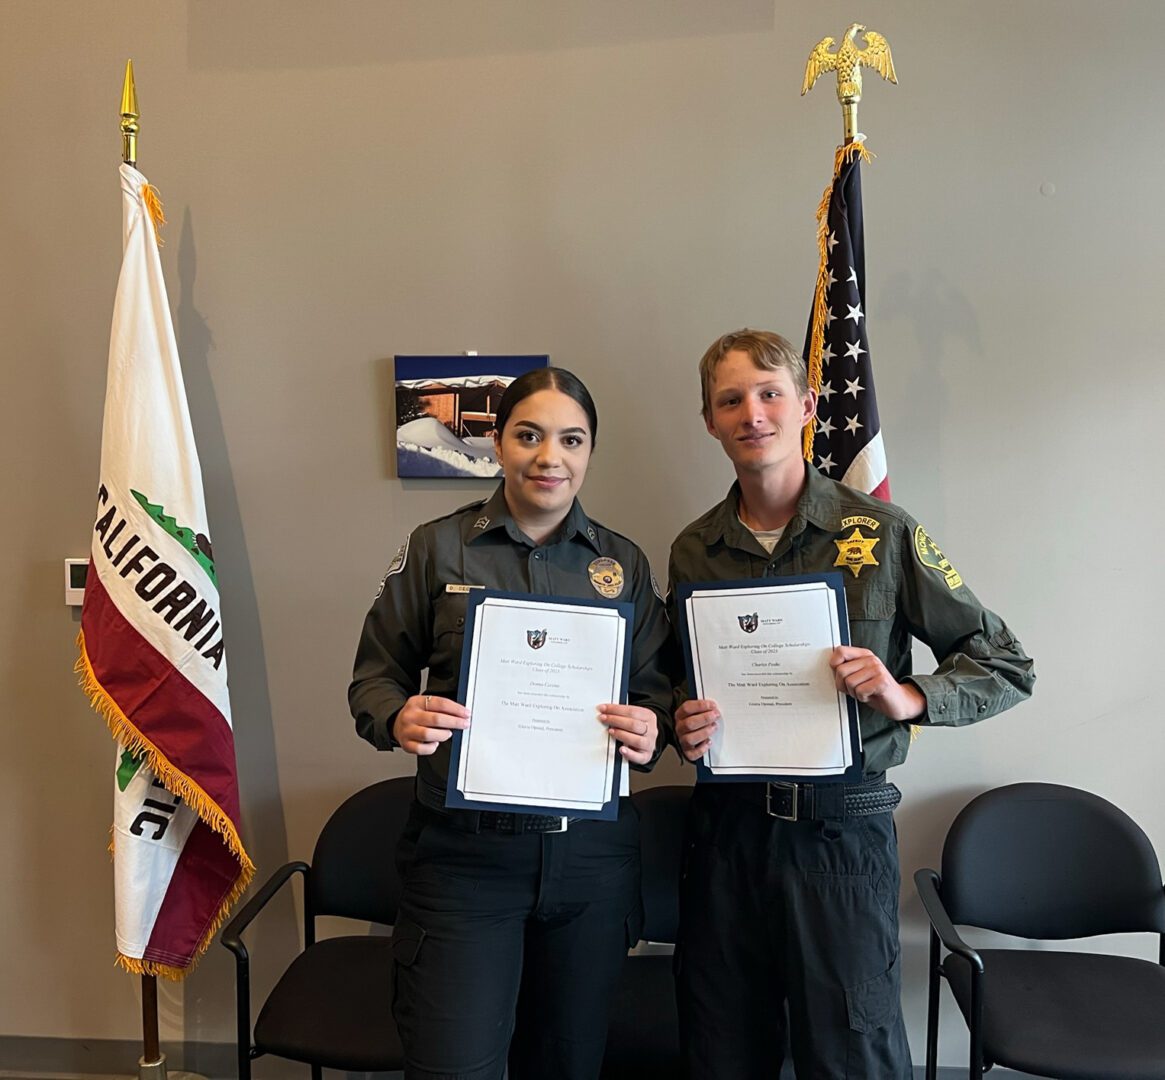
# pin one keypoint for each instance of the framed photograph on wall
(445, 410)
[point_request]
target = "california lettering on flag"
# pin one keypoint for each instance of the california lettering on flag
(152, 654)
(845, 440)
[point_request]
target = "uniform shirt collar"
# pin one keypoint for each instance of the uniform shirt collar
(495, 514)
(818, 504)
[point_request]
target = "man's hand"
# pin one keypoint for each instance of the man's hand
(426, 721)
(696, 722)
(635, 727)
(859, 673)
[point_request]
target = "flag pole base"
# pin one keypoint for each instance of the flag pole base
(152, 1070)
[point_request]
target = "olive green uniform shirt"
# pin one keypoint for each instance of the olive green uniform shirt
(898, 585)
(417, 620)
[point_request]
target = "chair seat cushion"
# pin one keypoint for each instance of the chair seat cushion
(333, 1007)
(1079, 1016)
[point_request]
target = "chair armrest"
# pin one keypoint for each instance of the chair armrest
(232, 932)
(927, 882)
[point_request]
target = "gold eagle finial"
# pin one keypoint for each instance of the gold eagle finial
(848, 62)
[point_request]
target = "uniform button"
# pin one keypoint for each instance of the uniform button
(983, 707)
(460, 620)
(538, 554)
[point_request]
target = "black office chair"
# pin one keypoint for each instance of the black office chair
(330, 1008)
(643, 1040)
(1048, 862)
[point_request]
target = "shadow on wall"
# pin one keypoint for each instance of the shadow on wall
(209, 1009)
(280, 35)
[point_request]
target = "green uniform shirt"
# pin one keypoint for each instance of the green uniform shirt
(417, 620)
(898, 585)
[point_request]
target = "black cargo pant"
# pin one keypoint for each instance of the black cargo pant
(800, 915)
(504, 937)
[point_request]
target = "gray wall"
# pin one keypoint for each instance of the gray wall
(614, 184)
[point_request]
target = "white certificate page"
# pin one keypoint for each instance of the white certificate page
(537, 674)
(762, 654)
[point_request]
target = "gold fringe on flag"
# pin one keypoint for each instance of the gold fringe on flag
(177, 783)
(817, 337)
(153, 203)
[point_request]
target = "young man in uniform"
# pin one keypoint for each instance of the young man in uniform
(789, 896)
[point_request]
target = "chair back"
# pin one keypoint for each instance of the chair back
(1045, 861)
(662, 814)
(353, 868)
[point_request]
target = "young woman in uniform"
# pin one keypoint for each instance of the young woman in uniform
(512, 930)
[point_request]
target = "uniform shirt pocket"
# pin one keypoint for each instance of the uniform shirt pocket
(448, 633)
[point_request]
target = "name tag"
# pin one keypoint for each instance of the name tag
(452, 588)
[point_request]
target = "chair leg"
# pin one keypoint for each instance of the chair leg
(317, 1072)
(975, 1072)
(932, 992)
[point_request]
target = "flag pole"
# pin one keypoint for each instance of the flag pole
(152, 1063)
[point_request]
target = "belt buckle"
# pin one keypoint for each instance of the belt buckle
(562, 824)
(792, 788)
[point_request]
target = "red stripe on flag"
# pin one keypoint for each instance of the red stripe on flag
(195, 896)
(161, 703)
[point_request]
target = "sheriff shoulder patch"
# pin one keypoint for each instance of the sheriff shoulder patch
(930, 554)
(397, 564)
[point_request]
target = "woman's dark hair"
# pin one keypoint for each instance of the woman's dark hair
(547, 378)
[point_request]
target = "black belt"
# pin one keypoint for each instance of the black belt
(478, 821)
(818, 802)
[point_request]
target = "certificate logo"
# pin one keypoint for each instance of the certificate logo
(535, 638)
(749, 623)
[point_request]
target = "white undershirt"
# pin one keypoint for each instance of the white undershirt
(767, 538)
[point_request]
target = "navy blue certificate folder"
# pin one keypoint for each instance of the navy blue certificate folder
(848, 712)
(543, 652)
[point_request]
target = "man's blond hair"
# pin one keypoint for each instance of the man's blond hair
(769, 351)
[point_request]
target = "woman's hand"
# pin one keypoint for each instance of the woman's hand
(635, 727)
(696, 722)
(426, 721)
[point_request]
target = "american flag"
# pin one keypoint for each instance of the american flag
(847, 441)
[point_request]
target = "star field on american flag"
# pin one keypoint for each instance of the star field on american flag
(848, 441)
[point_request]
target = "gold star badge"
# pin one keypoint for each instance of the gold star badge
(856, 551)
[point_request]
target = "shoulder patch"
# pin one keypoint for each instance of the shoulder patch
(397, 564)
(930, 554)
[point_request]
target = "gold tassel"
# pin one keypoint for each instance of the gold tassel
(817, 337)
(153, 203)
(177, 783)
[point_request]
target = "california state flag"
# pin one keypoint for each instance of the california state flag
(152, 657)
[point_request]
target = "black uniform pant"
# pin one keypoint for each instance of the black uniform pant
(789, 919)
(512, 944)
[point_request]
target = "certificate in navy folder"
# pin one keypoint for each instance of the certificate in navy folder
(760, 649)
(534, 670)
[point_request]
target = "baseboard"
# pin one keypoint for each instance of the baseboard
(25, 1055)
(32, 1058)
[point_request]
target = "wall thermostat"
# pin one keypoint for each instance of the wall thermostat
(75, 572)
